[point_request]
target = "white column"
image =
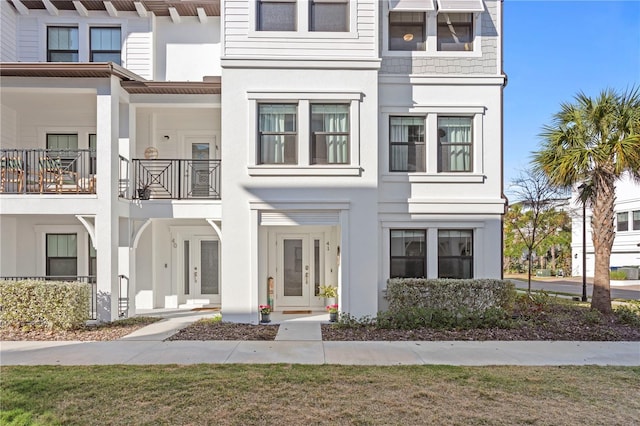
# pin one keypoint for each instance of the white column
(107, 242)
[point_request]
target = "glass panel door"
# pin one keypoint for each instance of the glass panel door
(200, 176)
(294, 274)
(201, 277)
(209, 267)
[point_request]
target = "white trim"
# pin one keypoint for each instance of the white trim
(82, 11)
(175, 16)
(299, 205)
(292, 95)
(434, 109)
(53, 11)
(274, 170)
(202, 15)
(111, 10)
(22, 9)
(436, 80)
(299, 63)
(142, 11)
(138, 233)
(90, 227)
(433, 178)
(215, 228)
(293, 218)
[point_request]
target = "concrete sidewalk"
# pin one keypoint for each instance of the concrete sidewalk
(299, 342)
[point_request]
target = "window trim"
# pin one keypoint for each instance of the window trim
(92, 51)
(50, 51)
(405, 257)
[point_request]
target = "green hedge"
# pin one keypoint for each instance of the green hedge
(44, 304)
(450, 295)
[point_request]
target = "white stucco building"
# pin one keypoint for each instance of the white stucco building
(313, 142)
(626, 245)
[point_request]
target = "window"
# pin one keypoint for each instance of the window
(278, 134)
(406, 144)
(62, 256)
(62, 44)
(623, 221)
(455, 32)
(408, 253)
(636, 220)
(454, 144)
(329, 15)
(276, 15)
(455, 254)
(329, 134)
(65, 148)
(406, 31)
(93, 263)
(105, 45)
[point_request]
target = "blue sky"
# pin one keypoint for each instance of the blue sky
(554, 49)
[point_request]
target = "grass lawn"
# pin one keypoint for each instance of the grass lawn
(296, 394)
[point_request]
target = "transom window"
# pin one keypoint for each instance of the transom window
(455, 31)
(277, 133)
(106, 44)
(455, 254)
(408, 253)
(329, 15)
(407, 31)
(406, 144)
(278, 15)
(62, 256)
(62, 44)
(623, 221)
(455, 138)
(329, 134)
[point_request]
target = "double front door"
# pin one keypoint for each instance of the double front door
(201, 262)
(300, 269)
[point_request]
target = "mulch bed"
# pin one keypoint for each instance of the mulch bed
(207, 330)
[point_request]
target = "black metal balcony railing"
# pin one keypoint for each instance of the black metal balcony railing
(176, 179)
(90, 279)
(38, 171)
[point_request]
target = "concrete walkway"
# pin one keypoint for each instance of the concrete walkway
(300, 342)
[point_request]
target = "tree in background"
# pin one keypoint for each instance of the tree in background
(534, 219)
(593, 142)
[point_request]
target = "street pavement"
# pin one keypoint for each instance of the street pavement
(573, 285)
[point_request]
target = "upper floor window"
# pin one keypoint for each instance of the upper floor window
(106, 44)
(329, 134)
(623, 221)
(406, 144)
(277, 133)
(636, 220)
(407, 31)
(408, 253)
(277, 15)
(62, 44)
(329, 15)
(455, 139)
(455, 32)
(455, 254)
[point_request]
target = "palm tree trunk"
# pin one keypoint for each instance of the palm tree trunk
(603, 234)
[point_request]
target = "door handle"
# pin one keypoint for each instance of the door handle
(306, 278)
(195, 276)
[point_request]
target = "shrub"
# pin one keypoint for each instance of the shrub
(618, 275)
(44, 304)
(628, 315)
(452, 295)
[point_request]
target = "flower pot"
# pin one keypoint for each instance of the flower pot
(265, 318)
(144, 193)
(333, 316)
(329, 301)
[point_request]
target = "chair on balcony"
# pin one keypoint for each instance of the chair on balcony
(53, 176)
(11, 172)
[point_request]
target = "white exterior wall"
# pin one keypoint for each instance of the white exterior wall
(188, 50)
(625, 250)
(8, 33)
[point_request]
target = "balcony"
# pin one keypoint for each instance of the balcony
(174, 179)
(47, 171)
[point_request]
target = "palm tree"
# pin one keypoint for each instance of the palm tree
(594, 142)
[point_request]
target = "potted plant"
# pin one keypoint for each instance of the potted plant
(333, 312)
(144, 192)
(265, 313)
(329, 292)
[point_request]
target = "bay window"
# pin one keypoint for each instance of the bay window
(277, 133)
